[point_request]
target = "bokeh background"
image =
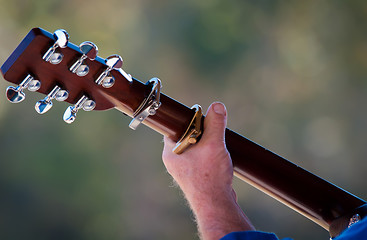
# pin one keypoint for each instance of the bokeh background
(292, 74)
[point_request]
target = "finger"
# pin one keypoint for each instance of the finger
(234, 194)
(168, 142)
(215, 122)
(168, 145)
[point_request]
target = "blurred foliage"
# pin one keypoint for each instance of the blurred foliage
(292, 74)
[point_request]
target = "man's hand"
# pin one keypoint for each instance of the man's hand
(204, 172)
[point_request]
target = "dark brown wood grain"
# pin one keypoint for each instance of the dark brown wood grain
(322, 202)
(319, 200)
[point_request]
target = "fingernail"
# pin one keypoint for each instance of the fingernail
(219, 108)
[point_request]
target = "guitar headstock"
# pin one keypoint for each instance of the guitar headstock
(50, 64)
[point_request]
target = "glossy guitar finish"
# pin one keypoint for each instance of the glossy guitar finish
(322, 202)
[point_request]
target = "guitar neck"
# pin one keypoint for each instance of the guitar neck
(317, 199)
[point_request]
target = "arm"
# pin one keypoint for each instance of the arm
(204, 172)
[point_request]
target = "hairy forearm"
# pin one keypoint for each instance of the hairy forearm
(218, 215)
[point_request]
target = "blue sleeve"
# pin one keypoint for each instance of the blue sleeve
(356, 231)
(251, 235)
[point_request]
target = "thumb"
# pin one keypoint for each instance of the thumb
(215, 122)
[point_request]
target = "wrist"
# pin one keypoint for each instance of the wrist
(218, 215)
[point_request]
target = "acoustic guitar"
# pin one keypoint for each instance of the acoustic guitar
(50, 64)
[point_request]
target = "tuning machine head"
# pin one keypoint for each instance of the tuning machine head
(106, 79)
(16, 94)
(61, 41)
(83, 103)
(89, 50)
(45, 104)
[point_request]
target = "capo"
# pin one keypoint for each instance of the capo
(149, 106)
(192, 133)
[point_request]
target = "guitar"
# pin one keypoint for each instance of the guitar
(50, 64)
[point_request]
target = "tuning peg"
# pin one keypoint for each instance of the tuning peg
(45, 104)
(16, 94)
(83, 102)
(106, 79)
(61, 40)
(89, 50)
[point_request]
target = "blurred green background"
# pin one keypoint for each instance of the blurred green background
(291, 73)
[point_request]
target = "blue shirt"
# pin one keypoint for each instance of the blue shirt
(356, 231)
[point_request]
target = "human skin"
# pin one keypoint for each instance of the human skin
(204, 172)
